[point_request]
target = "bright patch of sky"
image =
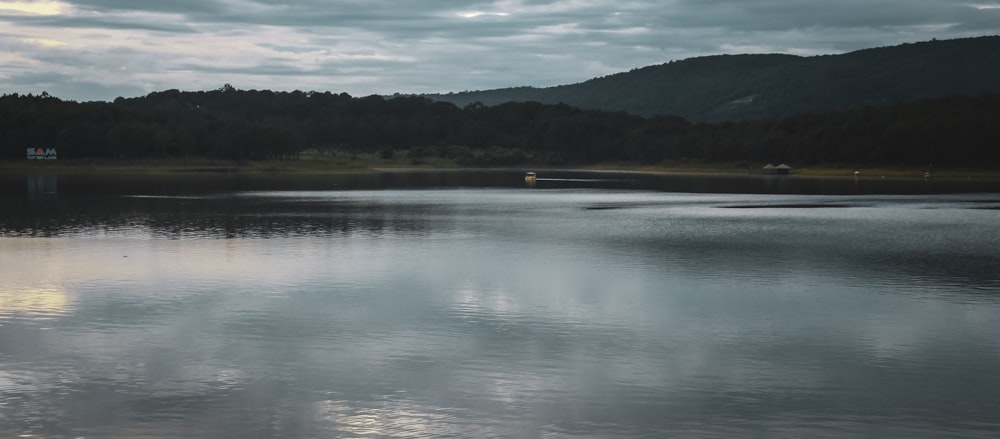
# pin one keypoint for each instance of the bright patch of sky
(101, 49)
(32, 7)
(476, 14)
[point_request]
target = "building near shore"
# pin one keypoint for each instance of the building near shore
(781, 169)
(41, 154)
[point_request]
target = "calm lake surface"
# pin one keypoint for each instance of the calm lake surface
(465, 304)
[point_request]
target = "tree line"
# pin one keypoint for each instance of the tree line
(256, 125)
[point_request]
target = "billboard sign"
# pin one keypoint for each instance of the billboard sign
(42, 154)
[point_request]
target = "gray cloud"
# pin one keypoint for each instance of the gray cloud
(100, 22)
(106, 48)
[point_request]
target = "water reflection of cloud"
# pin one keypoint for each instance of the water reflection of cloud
(34, 302)
(470, 301)
(491, 326)
(401, 418)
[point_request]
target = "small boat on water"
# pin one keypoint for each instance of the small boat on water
(530, 177)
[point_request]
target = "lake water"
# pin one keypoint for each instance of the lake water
(465, 304)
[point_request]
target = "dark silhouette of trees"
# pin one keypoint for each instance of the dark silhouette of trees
(256, 125)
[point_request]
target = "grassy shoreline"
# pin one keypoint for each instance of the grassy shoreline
(368, 163)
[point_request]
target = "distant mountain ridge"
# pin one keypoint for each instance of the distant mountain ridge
(740, 87)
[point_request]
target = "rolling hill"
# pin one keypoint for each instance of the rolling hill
(741, 87)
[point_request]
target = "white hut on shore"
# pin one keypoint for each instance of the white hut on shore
(781, 169)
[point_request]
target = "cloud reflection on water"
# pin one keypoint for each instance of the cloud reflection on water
(504, 313)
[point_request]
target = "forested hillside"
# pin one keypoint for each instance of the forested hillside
(254, 125)
(740, 87)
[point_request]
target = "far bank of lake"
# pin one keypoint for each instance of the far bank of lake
(367, 163)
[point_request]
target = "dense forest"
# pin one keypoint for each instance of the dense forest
(253, 125)
(741, 87)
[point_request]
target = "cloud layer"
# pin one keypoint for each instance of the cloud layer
(100, 49)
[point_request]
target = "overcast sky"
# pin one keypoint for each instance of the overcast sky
(101, 49)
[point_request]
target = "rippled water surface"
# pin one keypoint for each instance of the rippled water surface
(458, 307)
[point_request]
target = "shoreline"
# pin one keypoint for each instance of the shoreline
(363, 165)
(818, 171)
